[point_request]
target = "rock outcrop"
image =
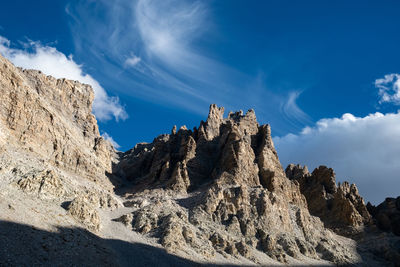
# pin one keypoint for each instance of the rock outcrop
(221, 189)
(235, 150)
(50, 146)
(341, 208)
(52, 120)
(85, 212)
(214, 194)
(387, 215)
(44, 183)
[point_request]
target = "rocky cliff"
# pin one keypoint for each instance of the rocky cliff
(53, 119)
(220, 188)
(50, 146)
(216, 194)
(340, 207)
(387, 215)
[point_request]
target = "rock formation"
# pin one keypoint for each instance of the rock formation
(50, 146)
(221, 189)
(215, 194)
(387, 215)
(52, 118)
(341, 208)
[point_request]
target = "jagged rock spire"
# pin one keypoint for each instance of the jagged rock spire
(214, 121)
(340, 207)
(219, 189)
(240, 197)
(233, 149)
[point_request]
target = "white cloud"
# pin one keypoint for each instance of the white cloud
(364, 151)
(132, 61)
(52, 62)
(389, 88)
(107, 137)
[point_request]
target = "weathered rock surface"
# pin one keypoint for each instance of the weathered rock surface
(84, 207)
(52, 119)
(50, 146)
(85, 212)
(235, 150)
(341, 208)
(44, 183)
(234, 196)
(387, 215)
(214, 194)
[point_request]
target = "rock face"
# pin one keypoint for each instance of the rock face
(235, 150)
(341, 208)
(387, 215)
(44, 183)
(234, 196)
(50, 146)
(215, 194)
(52, 118)
(85, 211)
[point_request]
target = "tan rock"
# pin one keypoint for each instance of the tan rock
(85, 212)
(126, 219)
(387, 215)
(217, 190)
(45, 183)
(242, 193)
(51, 119)
(341, 208)
(144, 221)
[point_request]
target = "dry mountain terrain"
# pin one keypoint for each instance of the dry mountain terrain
(214, 195)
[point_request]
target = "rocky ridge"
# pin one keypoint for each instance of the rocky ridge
(214, 194)
(235, 198)
(387, 215)
(53, 118)
(50, 146)
(340, 207)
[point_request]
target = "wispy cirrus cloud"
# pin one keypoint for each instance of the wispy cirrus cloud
(52, 62)
(293, 113)
(168, 30)
(173, 68)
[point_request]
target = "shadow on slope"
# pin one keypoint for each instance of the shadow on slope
(24, 245)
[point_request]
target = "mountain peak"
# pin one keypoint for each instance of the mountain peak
(215, 194)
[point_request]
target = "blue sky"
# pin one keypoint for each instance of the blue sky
(300, 64)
